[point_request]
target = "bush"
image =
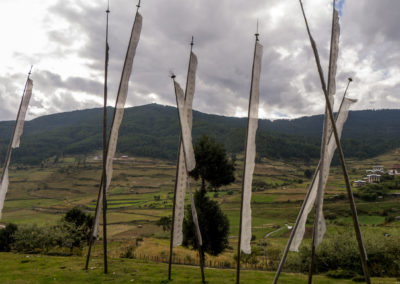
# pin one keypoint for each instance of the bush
(308, 173)
(371, 192)
(340, 252)
(129, 252)
(165, 222)
(33, 239)
(70, 233)
(250, 258)
(7, 238)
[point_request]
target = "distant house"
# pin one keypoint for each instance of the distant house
(394, 169)
(378, 168)
(374, 178)
(359, 183)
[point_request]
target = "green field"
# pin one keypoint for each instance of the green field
(141, 193)
(17, 268)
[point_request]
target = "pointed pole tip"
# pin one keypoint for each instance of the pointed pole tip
(257, 34)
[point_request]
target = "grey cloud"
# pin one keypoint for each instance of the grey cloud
(49, 82)
(224, 43)
(11, 89)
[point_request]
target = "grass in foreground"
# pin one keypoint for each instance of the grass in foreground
(20, 268)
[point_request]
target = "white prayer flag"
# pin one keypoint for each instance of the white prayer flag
(250, 150)
(119, 110)
(188, 153)
(19, 126)
(325, 160)
(331, 147)
(182, 178)
(3, 189)
(185, 129)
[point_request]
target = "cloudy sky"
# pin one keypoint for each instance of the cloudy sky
(64, 40)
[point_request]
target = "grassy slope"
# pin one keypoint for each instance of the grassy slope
(42, 195)
(18, 269)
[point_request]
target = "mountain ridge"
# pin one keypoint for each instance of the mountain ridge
(153, 130)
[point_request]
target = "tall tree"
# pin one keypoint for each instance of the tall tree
(214, 233)
(212, 164)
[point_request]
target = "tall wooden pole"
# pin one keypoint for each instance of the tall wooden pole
(91, 238)
(325, 134)
(105, 149)
(196, 233)
(201, 254)
(171, 244)
(296, 224)
(175, 191)
(103, 184)
(244, 170)
(363, 254)
(315, 231)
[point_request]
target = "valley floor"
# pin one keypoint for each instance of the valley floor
(142, 192)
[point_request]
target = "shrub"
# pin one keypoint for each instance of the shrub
(129, 252)
(340, 252)
(165, 222)
(33, 239)
(7, 237)
(70, 233)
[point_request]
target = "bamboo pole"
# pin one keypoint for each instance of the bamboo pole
(201, 254)
(363, 254)
(105, 149)
(244, 170)
(171, 245)
(103, 183)
(325, 134)
(296, 224)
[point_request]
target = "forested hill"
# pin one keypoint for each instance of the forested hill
(153, 131)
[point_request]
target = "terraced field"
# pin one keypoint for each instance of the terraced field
(141, 193)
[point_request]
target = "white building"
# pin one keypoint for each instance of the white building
(378, 168)
(359, 183)
(373, 178)
(394, 170)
